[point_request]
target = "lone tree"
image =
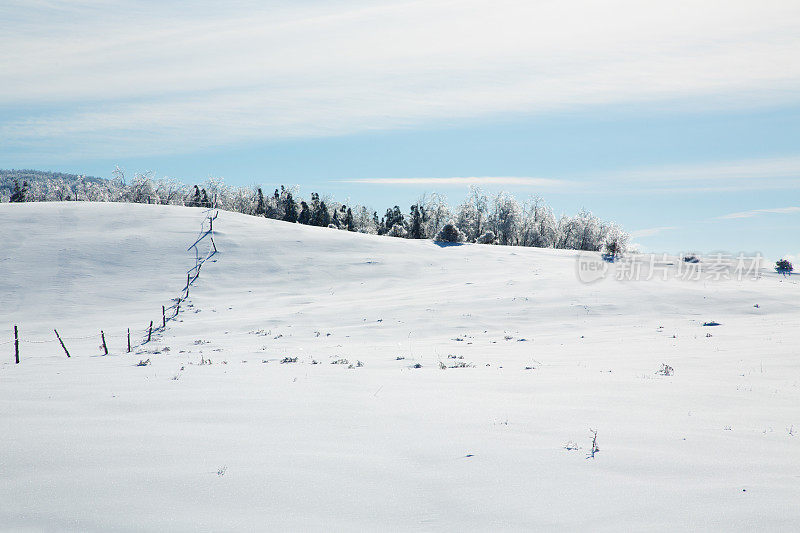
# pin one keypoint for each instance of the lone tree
(783, 266)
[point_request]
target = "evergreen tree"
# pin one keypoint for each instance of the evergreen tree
(335, 219)
(324, 217)
(416, 231)
(261, 209)
(349, 223)
(195, 201)
(305, 214)
(205, 202)
(18, 195)
(289, 208)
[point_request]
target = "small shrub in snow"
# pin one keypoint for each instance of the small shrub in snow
(784, 266)
(398, 231)
(289, 360)
(340, 362)
(691, 259)
(449, 233)
(143, 363)
(416, 365)
(486, 238)
(665, 370)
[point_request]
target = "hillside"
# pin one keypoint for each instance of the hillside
(365, 430)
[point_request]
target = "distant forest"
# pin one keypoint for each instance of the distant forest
(481, 218)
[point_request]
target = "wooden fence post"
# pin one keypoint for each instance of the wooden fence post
(163, 317)
(129, 340)
(150, 331)
(103, 338)
(188, 280)
(62, 342)
(16, 345)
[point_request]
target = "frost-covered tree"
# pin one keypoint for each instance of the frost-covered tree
(486, 238)
(499, 220)
(505, 219)
(398, 231)
(434, 211)
(473, 214)
(538, 225)
(615, 241)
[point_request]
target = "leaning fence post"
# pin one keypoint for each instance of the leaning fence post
(129, 340)
(188, 276)
(103, 338)
(16, 345)
(62, 342)
(150, 331)
(163, 317)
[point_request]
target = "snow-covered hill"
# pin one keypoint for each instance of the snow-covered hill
(366, 430)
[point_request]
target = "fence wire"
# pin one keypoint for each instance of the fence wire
(144, 333)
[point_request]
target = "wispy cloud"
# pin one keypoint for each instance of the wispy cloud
(650, 232)
(146, 76)
(723, 176)
(477, 180)
(758, 212)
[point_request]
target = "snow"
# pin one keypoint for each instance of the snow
(96, 442)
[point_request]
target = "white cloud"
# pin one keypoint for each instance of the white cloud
(740, 175)
(650, 232)
(141, 77)
(757, 212)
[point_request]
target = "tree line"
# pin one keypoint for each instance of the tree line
(481, 218)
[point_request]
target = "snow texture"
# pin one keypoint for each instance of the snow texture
(328, 380)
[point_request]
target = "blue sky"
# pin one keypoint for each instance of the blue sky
(678, 120)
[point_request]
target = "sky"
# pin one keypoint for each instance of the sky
(680, 120)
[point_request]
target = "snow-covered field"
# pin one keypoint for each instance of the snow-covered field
(366, 431)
